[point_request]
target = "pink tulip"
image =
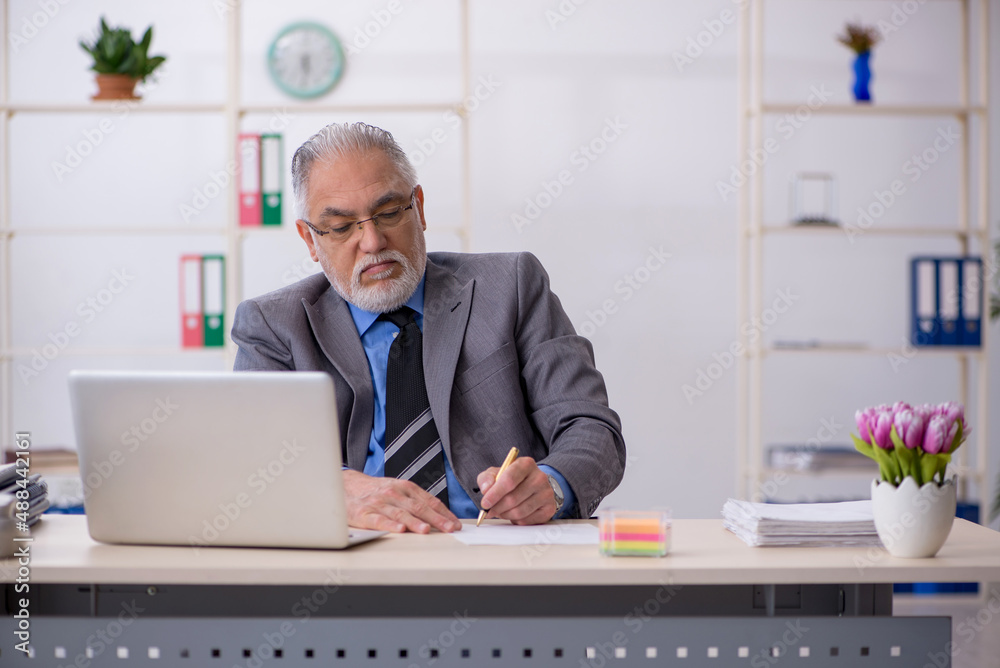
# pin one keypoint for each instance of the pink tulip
(909, 428)
(952, 411)
(882, 427)
(862, 418)
(901, 406)
(926, 411)
(939, 437)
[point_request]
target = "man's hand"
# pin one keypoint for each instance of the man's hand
(388, 504)
(521, 495)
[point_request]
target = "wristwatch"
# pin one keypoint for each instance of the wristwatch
(557, 490)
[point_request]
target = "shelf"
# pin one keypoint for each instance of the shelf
(141, 106)
(872, 110)
(857, 231)
(965, 472)
(242, 232)
(970, 226)
(108, 351)
(109, 231)
(938, 351)
(352, 108)
(115, 106)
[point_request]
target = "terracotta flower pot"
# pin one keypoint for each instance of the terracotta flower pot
(115, 87)
(913, 522)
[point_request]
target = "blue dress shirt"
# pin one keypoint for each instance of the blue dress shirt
(376, 338)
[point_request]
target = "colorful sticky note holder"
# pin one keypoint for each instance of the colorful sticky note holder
(634, 533)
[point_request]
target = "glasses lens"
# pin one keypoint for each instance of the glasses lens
(389, 218)
(342, 232)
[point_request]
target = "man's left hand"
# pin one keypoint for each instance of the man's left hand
(522, 494)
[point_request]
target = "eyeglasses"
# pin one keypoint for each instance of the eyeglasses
(384, 220)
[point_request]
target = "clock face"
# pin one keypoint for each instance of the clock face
(306, 60)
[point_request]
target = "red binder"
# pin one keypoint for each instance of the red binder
(192, 315)
(248, 158)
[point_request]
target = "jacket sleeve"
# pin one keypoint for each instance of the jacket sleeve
(565, 393)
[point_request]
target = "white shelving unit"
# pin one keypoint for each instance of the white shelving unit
(754, 230)
(233, 110)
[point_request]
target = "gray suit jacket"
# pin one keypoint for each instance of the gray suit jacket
(503, 365)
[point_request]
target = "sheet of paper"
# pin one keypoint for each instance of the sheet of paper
(544, 534)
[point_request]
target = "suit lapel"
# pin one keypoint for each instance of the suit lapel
(334, 329)
(446, 313)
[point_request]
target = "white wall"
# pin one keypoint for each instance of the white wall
(552, 77)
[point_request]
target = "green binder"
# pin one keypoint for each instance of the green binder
(270, 183)
(213, 286)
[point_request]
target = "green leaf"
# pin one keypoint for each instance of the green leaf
(959, 437)
(862, 447)
(904, 455)
(896, 440)
(932, 465)
(887, 465)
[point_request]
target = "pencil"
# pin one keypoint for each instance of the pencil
(511, 456)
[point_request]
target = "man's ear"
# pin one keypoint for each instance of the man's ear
(419, 194)
(307, 236)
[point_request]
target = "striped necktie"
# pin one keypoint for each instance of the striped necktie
(413, 449)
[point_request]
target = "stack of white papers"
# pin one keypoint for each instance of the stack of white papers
(801, 524)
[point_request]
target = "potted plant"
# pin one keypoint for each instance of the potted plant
(861, 39)
(120, 62)
(913, 502)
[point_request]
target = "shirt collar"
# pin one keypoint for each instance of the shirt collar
(363, 319)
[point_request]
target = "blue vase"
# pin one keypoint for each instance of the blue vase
(862, 77)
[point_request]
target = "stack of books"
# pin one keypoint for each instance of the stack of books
(849, 523)
(823, 458)
(12, 482)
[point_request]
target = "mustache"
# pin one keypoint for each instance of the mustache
(378, 258)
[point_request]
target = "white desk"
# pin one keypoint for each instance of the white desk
(546, 605)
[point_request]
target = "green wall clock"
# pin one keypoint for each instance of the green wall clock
(305, 60)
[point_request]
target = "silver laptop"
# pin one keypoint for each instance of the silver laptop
(211, 459)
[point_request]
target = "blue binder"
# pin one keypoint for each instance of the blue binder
(971, 305)
(949, 289)
(946, 301)
(926, 324)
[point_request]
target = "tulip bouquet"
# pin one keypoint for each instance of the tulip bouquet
(911, 441)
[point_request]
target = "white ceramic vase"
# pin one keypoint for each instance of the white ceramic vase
(913, 522)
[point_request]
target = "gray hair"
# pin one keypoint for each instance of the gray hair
(338, 140)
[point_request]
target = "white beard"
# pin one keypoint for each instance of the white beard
(386, 295)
